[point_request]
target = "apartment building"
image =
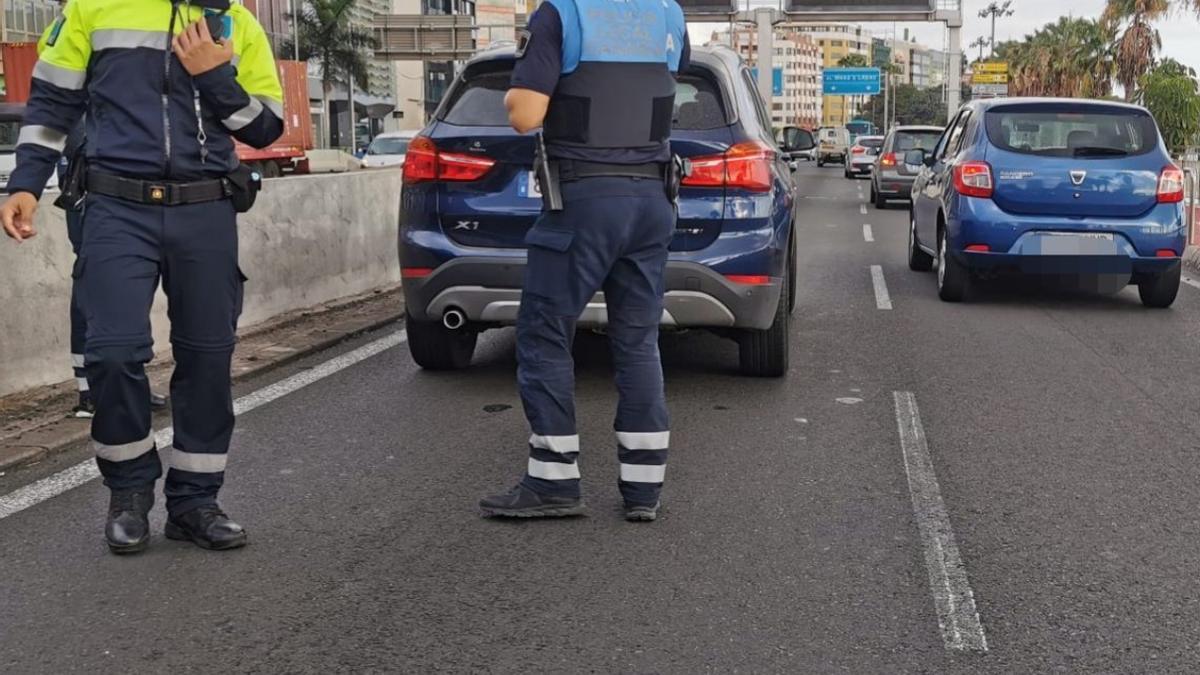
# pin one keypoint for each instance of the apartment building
(799, 59)
(836, 42)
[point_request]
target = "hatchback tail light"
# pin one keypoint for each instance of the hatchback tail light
(745, 165)
(859, 150)
(974, 179)
(424, 162)
(1170, 186)
(888, 160)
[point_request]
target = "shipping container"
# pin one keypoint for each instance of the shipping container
(19, 60)
(289, 153)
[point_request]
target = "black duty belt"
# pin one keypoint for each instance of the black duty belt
(574, 169)
(158, 193)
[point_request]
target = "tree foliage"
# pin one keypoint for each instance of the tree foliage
(1171, 93)
(1071, 57)
(858, 60)
(913, 106)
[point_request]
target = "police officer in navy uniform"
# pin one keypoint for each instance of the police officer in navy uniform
(598, 77)
(84, 409)
(164, 102)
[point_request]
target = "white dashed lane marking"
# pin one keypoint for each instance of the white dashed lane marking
(868, 235)
(882, 299)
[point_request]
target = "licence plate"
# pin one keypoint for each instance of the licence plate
(528, 186)
(1076, 243)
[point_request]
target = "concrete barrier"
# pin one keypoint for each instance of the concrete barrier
(308, 240)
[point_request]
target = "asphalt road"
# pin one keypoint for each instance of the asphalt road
(1058, 428)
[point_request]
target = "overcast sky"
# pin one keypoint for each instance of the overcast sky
(1180, 35)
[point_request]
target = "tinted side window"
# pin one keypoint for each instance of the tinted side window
(764, 119)
(955, 139)
(479, 101)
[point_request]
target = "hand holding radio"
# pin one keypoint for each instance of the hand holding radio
(197, 50)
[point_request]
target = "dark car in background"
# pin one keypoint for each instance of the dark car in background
(892, 178)
(470, 196)
(1055, 187)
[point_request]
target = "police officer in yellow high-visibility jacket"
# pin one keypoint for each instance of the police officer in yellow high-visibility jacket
(165, 100)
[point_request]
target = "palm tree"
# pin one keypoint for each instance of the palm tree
(1071, 57)
(339, 47)
(1139, 41)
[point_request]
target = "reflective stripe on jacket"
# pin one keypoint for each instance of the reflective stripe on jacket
(113, 59)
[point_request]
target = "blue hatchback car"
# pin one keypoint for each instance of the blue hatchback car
(470, 196)
(1049, 186)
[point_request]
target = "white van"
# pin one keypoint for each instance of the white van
(832, 145)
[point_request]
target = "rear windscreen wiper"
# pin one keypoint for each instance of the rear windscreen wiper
(1099, 151)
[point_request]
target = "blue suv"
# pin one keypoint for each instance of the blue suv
(470, 196)
(1049, 186)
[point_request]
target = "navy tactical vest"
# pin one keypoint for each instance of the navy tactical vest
(616, 97)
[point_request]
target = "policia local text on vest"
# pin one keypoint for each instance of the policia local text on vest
(166, 87)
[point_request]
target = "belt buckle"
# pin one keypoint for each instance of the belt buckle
(156, 193)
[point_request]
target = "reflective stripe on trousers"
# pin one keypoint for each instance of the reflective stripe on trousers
(612, 235)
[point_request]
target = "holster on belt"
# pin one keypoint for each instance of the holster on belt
(73, 187)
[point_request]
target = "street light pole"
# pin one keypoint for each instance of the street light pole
(994, 10)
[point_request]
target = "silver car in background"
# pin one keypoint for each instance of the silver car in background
(862, 155)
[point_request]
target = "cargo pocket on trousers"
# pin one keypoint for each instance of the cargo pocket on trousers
(548, 269)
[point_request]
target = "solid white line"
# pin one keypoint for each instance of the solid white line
(958, 617)
(862, 208)
(868, 234)
(68, 479)
(882, 299)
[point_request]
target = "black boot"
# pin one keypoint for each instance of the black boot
(128, 526)
(521, 502)
(207, 527)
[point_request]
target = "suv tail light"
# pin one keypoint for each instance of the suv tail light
(888, 159)
(974, 179)
(424, 162)
(1170, 185)
(745, 165)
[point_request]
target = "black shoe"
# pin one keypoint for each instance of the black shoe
(207, 527)
(128, 526)
(85, 409)
(521, 502)
(641, 514)
(157, 401)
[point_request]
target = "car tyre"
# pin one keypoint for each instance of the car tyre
(918, 260)
(765, 353)
(1159, 291)
(820, 163)
(879, 200)
(953, 278)
(435, 347)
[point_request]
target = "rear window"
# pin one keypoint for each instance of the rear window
(871, 142)
(8, 135)
(917, 140)
(479, 101)
(388, 146)
(1090, 132)
(698, 104)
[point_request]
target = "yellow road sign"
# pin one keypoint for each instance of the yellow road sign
(993, 67)
(989, 78)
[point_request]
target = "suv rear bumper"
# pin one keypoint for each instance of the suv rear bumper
(488, 291)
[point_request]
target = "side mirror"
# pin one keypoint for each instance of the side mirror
(796, 139)
(915, 158)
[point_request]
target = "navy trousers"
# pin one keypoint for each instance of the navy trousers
(127, 248)
(78, 320)
(612, 236)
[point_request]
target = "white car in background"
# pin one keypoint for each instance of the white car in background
(388, 149)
